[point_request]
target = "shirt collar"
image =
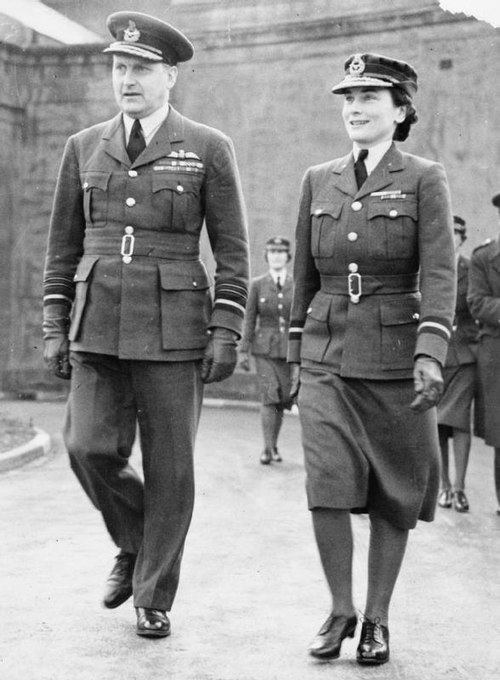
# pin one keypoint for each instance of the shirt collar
(275, 274)
(375, 154)
(150, 124)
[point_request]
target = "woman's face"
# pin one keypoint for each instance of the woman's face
(277, 259)
(370, 115)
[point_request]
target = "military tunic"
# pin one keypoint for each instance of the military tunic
(265, 334)
(484, 302)
(375, 286)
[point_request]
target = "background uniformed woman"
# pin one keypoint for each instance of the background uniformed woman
(454, 409)
(374, 295)
(265, 335)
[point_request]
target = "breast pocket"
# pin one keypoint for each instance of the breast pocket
(82, 279)
(399, 319)
(177, 198)
(392, 229)
(186, 305)
(324, 227)
(96, 197)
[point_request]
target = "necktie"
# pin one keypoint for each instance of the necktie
(360, 168)
(278, 283)
(136, 142)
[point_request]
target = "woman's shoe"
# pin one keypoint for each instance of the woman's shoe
(445, 498)
(327, 643)
(373, 645)
(276, 456)
(460, 502)
(265, 457)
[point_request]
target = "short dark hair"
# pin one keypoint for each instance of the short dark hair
(401, 97)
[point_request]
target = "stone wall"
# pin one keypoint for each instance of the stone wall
(266, 84)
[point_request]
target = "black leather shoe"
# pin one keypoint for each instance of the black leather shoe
(373, 645)
(275, 455)
(152, 622)
(265, 458)
(460, 502)
(119, 584)
(327, 643)
(445, 498)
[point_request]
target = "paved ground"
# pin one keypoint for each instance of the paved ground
(252, 593)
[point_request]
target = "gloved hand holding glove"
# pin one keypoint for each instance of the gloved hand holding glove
(55, 337)
(220, 356)
(428, 381)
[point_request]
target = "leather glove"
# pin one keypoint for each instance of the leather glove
(220, 356)
(55, 340)
(295, 379)
(244, 361)
(428, 381)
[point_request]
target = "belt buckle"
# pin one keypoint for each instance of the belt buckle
(127, 248)
(354, 287)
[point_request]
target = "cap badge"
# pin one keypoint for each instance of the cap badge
(357, 65)
(131, 34)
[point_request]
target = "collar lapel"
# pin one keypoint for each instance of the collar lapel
(380, 177)
(113, 140)
(343, 171)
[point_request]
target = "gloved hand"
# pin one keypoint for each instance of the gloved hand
(428, 381)
(220, 356)
(295, 377)
(244, 361)
(55, 339)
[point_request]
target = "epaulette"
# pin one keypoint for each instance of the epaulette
(483, 244)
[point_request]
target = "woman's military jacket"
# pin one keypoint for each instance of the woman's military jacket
(462, 348)
(375, 273)
(124, 241)
(267, 317)
(484, 287)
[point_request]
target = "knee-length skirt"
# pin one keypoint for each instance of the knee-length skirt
(274, 381)
(455, 407)
(365, 450)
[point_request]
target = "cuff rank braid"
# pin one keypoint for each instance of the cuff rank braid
(231, 297)
(435, 325)
(58, 289)
(295, 330)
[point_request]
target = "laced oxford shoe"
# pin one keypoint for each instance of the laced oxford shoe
(328, 641)
(275, 455)
(460, 502)
(265, 457)
(152, 622)
(445, 498)
(373, 645)
(119, 583)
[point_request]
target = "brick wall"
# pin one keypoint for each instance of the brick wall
(266, 84)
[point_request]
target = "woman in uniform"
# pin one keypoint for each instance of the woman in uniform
(374, 295)
(265, 335)
(454, 410)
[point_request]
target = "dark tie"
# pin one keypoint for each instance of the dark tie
(136, 143)
(360, 168)
(278, 283)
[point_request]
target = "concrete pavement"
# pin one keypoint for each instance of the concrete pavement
(252, 593)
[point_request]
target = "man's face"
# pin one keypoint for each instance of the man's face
(141, 86)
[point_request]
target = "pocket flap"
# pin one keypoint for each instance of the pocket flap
(179, 182)
(392, 209)
(85, 267)
(95, 180)
(398, 312)
(183, 276)
(320, 308)
(332, 209)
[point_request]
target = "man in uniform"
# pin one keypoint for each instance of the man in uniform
(144, 334)
(484, 303)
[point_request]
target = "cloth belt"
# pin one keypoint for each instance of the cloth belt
(170, 246)
(355, 285)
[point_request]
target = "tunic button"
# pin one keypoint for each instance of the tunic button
(129, 230)
(85, 185)
(357, 205)
(353, 267)
(280, 295)
(195, 284)
(416, 316)
(132, 173)
(318, 211)
(130, 202)
(280, 306)
(126, 259)
(393, 213)
(352, 236)
(180, 188)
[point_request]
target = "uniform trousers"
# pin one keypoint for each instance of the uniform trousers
(108, 398)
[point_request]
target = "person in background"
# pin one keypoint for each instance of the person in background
(265, 335)
(484, 303)
(454, 409)
(128, 312)
(372, 311)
